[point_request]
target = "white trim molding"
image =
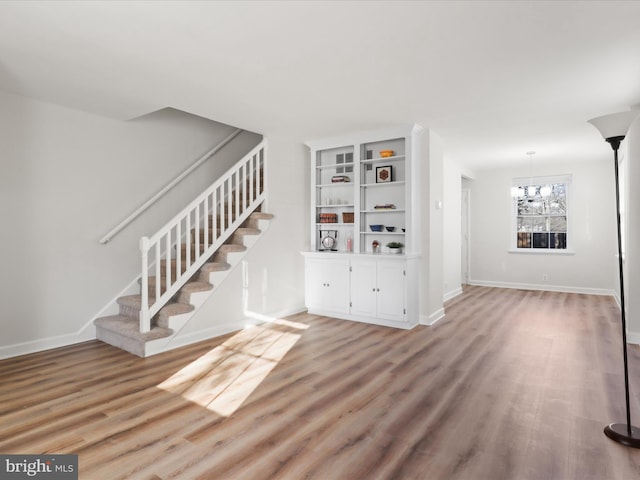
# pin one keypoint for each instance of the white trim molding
(452, 294)
(251, 318)
(433, 318)
(633, 337)
(548, 288)
(39, 345)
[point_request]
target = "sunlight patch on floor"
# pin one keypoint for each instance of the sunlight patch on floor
(223, 378)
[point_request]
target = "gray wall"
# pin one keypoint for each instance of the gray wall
(590, 270)
(67, 178)
(630, 170)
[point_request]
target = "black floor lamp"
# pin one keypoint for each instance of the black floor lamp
(614, 128)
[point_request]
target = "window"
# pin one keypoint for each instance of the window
(541, 213)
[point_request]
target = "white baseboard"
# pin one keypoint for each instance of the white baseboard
(287, 312)
(199, 336)
(632, 337)
(452, 294)
(230, 327)
(34, 346)
(543, 287)
(433, 318)
(616, 297)
(41, 344)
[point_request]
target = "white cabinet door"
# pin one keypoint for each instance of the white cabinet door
(337, 289)
(327, 284)
(314, 283)
(363, 287)
(378, 289)
(390, 290)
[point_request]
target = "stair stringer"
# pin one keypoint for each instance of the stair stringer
(177, 322)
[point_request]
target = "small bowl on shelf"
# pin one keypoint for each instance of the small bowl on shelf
(376, 228)
(390, 229)
(386, 153)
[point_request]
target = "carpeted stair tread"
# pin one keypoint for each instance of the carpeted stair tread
(193, 287)
(262, 215)
(130, 327)
(231, 247)
(215, 267)
(243, 231)
(171, 309)
(133, 301)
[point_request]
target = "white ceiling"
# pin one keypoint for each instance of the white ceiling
(493, 79)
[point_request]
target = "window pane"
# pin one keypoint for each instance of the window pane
(536, 206)
(539, 224)
(558, 224)
(540, 240)
(530, 206)
(541, 215)
(558, 240)
(524, 240)
(525, 224)
(523, 206)
(558, 199)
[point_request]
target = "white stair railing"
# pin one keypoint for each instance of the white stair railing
(223, 207)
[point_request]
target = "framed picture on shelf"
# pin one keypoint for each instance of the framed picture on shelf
(383, 174)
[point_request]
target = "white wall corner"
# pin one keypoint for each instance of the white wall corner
(452, 294)
(616, 297)
(433, 318)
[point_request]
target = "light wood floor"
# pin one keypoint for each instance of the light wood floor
(509, 385)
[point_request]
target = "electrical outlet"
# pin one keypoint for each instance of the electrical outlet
(545, 277)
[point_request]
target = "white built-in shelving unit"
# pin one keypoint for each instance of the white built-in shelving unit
(358, 182)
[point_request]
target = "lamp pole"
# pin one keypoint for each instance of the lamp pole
(613, 430)
(614, 128)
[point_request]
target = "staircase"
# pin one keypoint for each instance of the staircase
(180, 271)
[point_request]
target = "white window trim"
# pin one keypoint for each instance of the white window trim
(541, 180)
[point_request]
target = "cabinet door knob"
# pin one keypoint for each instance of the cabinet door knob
(378, 290)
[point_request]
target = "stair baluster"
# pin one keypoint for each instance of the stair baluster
(224, 203)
